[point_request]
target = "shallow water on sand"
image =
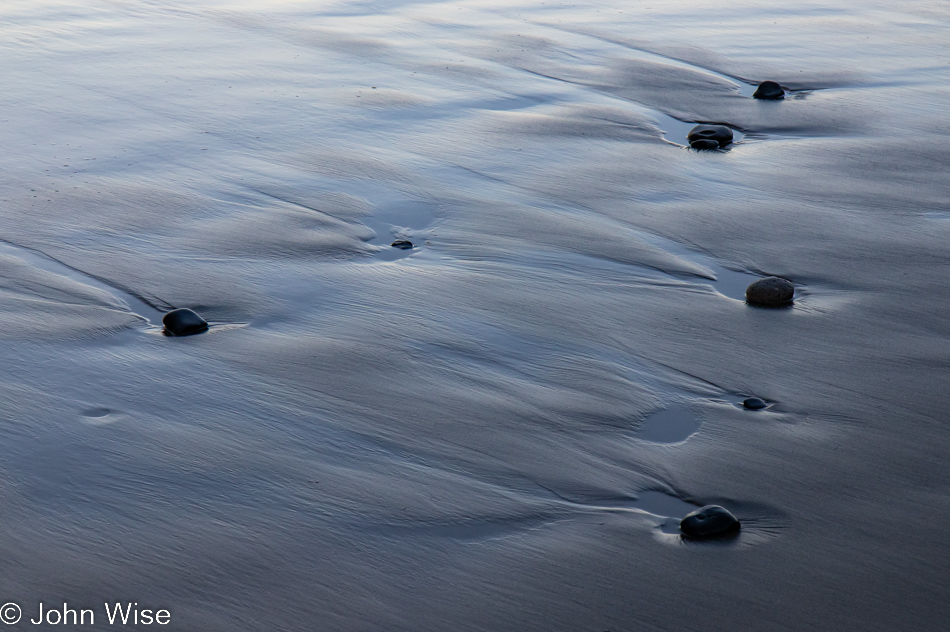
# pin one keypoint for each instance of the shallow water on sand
(499, 428)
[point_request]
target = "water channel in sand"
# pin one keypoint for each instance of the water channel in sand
(500, 428)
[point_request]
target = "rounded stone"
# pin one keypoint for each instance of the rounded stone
(183, 322)
(754, 403)
(769, 90)
(719, 133)
(704, 143)
(709, 522)
(770, 291)
(402, 244)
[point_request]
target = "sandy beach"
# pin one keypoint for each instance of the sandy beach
(501, 427)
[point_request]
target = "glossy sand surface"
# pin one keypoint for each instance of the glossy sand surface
(500, 428)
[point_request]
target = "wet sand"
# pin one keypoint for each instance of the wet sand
(500, 428)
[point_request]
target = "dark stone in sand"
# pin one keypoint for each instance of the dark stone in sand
(183, 322)
(771, 291)
(709, 522)
(719, 133)
(769, 90)
(704, 143)
(402, 244)
(754, 403)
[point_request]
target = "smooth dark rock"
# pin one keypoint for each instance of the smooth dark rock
(719, 133)
(754, 403)
(183, 322)
(769, 90)
(402, 244)
(704, 143)
(770, 291)
(709, 522)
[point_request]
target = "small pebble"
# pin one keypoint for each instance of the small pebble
(704, 143)
(754, 403)
(183, 322)
(719, 133)
(402, 244)
(709, 522)
(770, 291)
(769, 90)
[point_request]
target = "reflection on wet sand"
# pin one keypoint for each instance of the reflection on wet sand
(502, 426)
